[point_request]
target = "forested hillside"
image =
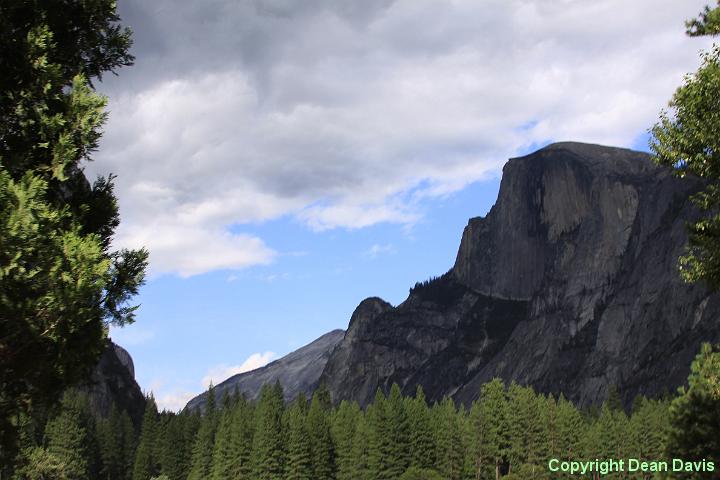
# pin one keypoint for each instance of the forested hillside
(510, 432)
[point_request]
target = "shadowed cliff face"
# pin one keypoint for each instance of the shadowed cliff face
(113, 382)
(569, 284)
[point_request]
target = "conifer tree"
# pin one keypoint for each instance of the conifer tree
(648, 429)
(267, 452)
(362, 448)
(299, 464)
(60, 284)
(422, 448)
(231, 456)
(377, 444)
(519, 420)
(687, 140)
(416, 473)
(116, 437)
(695, 414)
(527, 430)
(489, 416)
(202, 450)
(191, 425)
(173, 449)
(450, 452)
(320, 438)
(343, 426)
(223, 446)
(569, 426)
(398, 452)
(146, 464)
(549, 413)
(68, 437)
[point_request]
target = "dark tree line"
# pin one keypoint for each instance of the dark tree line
(509, 432)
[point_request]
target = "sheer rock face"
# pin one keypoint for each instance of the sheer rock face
(113, 381)
(569, 284)
(297, 372)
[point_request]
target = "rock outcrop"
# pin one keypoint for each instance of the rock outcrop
(113, 382)
(569, 284)
(297, 372)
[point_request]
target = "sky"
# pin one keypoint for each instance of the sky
(283, 160)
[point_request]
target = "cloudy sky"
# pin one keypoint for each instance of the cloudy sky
(284, 159)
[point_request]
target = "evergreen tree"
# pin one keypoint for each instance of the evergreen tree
(377, 432)
(60, 284)
(267, 452)
(688, 140)
(69, 439)
(222, 448)
(299, 464)
(489, 416)
(231, 456)
(39, 464)
(695, 414)
(396, 443)
(448, 435)
(116, 444)
(320, 438)
(173, 449)
(570, 425)
(422, 448)
(648, 429)
(146, 464)
(416, 473)
(343, 426)
(129, 441)
(204, 444)
(191, 425)
(362, 450)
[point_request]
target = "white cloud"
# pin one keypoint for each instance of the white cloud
(220, 373)
(346, 114)
(173, 401)
(377, 249)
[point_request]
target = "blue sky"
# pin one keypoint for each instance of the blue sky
(284, 160)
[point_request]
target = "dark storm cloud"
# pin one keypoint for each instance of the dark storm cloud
(345, 113)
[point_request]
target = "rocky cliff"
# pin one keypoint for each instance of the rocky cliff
(569, 284)
(297, 372)
(113, 382)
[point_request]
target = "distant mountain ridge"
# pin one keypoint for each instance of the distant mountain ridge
(297, 372)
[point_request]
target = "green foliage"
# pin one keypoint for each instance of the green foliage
(233, 444)
(43, 465)
(299, 463)
(707, 23)
(268, 455)
(490, 439)
(695, 415)
(204, 445)
(688, 139)
(507, 433)
(343, 427)
(417, 473)
(322, 451)
(59, 283)
(422, 446)
(116, 440)
(69, 438)
(147, 463)
(448, 437)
